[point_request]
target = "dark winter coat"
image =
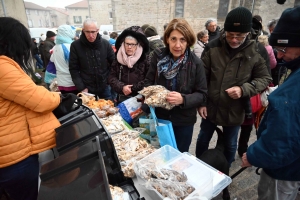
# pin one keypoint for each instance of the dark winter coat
(191, 83)
(41, 50)
(223, 72)
(48, 45)
(34, 49)
(89, 63)
(129, 76)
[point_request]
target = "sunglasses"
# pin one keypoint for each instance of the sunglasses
(282, 50)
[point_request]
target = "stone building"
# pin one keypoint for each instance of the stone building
(37, 16)
(78, 12)
(59, 16)
(15, 9)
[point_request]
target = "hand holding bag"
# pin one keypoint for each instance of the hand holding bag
(164, 130)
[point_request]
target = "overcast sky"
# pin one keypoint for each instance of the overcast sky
(53, 3)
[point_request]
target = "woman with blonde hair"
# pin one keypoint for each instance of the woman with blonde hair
(182, 72)
(264, 40)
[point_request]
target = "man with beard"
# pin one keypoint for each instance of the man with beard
(90, 60)
(235, 71)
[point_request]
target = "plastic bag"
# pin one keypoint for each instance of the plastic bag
(130, 108)
(148, 124)
(264, 95)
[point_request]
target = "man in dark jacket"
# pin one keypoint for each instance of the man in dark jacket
(278, 145)
(235, 71)
(35, 54)
(213, 29)
(90, 60)
(48, 45)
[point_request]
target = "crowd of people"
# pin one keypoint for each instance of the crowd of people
(213, 73)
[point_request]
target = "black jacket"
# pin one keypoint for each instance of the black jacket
(214, 35)
(48, 45)
(34, 49)
(89, 63)
(191, 83)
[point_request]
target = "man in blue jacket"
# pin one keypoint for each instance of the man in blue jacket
(277, 149)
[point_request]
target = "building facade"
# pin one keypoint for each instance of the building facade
(59, 16)
(37, 16)
(78, 12)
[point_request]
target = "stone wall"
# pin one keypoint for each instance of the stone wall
(15, 9)
(99, 10)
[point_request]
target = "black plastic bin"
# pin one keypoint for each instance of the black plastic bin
(81, 174)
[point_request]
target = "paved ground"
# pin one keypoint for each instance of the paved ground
(244, 186)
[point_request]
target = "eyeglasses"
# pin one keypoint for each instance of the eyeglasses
(231, 37)
(90, 32)
(283, 50)
(130, 45)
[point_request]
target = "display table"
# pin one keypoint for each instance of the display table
(140, 189)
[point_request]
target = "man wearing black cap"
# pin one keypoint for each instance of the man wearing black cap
(277, 149)
(48, 45)
(235, 71)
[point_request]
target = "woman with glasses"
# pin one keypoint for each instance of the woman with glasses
(202, 37)
(179, 70)
(129, 69)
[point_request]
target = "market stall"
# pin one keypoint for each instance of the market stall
(99, 156)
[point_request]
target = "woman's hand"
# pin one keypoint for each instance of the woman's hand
(202, 112)
(175, 98)
(127, 89)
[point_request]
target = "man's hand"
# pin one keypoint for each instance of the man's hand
(127, 89)
(234, 92)
(175, 98)
(85, 90)
(245, 162)
(202, 112)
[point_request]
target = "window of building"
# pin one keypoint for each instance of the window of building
(179, 8)
(110, 15)
(40, 23)
(76, 9)
(86, 17)
(47, 23)
(223, 9)
(77, 19)
(36, 12)
(30, 25)
(27, 12)
(297, 3)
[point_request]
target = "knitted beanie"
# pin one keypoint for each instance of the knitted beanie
(238, 20)
(50, 34)
(150, 31)
(287, 30)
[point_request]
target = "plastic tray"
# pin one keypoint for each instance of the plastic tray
(207, 181)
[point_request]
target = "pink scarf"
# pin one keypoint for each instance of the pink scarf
(126, 60)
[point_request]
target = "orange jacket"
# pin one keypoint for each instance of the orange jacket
(26, 120)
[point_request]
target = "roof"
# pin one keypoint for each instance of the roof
(61, 10)
(80, 4)
(33, 6)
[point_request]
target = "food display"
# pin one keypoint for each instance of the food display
(101, 107)
(155, 96)
(118, 193)
(130, 148)
(113, 123)
(168, 182)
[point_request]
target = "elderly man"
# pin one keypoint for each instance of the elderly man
(213, 29)
(278, 145)
(90, 59)
(48, 45)
(235, 71)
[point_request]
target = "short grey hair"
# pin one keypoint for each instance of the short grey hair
(201, 34)
(131, 38)
(89, 21)
(209, 21)
(272, 23)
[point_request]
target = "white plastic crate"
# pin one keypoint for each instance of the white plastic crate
(207, 181)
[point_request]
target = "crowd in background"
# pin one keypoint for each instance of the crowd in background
(213, 73)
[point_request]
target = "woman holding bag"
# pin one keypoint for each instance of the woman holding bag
(129, 69)
(179, 70)
(27, 123)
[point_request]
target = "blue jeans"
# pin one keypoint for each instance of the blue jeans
(183, 136)
(207, 128)
(105, 94)
(39, 62)
(20, 180)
